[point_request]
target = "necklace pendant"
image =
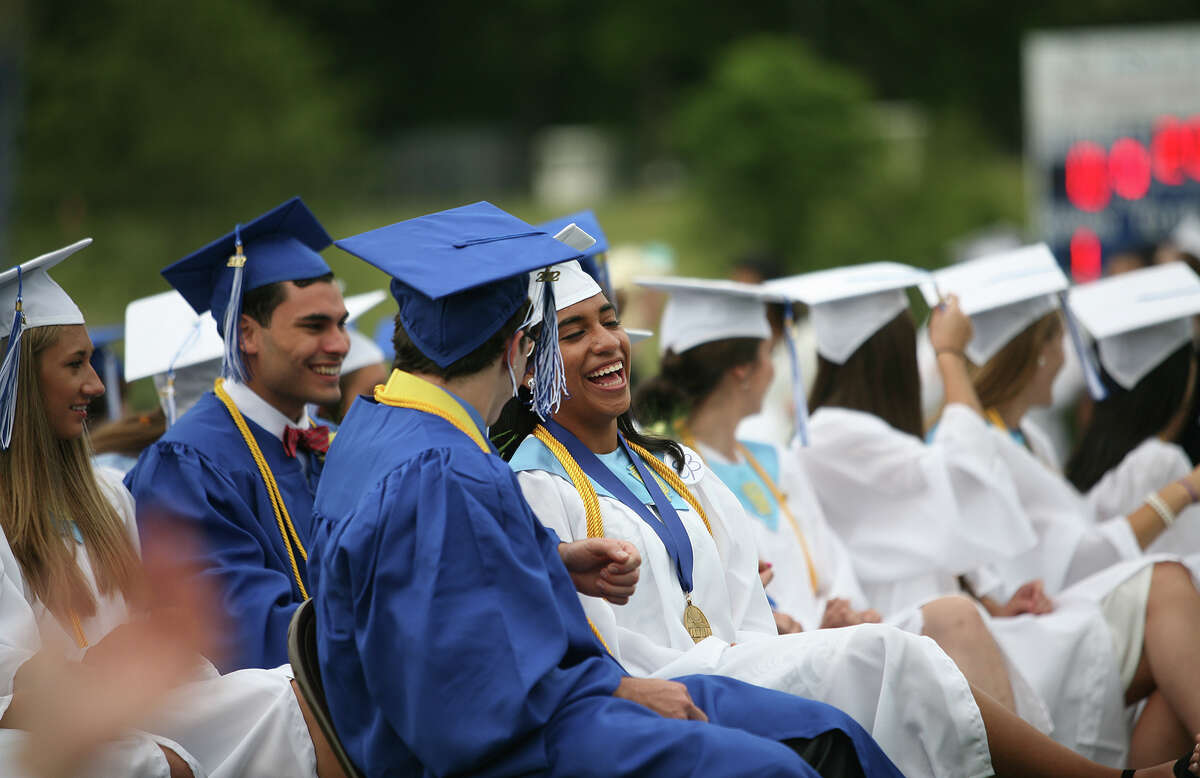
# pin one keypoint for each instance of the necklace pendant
(696, 622)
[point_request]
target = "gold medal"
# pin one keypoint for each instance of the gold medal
(695, 621)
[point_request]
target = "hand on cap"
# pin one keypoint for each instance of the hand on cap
(950, 329)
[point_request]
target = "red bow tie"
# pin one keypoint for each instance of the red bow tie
(313, 439)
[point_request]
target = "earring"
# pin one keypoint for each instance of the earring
(1041, 361)
(529, 383)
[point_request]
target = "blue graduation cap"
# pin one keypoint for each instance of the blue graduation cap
(459, 274)
(592, 261)
(107, 365)
(280, 245)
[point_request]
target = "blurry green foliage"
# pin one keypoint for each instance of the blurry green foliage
(771, 136)
(163, 105)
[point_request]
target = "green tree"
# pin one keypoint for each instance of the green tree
(771, 135)
(160, 105)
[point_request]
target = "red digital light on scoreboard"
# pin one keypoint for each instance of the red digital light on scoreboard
(1094, 174)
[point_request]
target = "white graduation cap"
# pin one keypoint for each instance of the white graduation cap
(701, 310)
(1002, 293)
(1138, 318)
(164, 333)
(850, 304)
(166, 339)
(571, 283)
(363, 350)
(29, 298)
(637, 336)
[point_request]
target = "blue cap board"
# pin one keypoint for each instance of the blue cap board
(592, 260)
(458, 275)
(280, 245)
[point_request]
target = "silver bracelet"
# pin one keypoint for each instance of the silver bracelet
(1161, 508)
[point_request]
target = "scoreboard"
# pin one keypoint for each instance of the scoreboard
(1112, 137)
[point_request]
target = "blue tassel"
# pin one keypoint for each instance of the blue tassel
(550, 380)
(232, 366)
(799, 401)
(9, 370)
(1091, 374)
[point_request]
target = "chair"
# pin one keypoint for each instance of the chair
(302, 653)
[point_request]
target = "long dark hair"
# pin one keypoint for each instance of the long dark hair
(685, 380)
(1127, 417)
(880, 378)
(517, 421)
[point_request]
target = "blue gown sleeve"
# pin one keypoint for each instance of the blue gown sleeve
(465, 642)
(178, 485)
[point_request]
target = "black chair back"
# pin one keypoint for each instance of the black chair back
(306, 667)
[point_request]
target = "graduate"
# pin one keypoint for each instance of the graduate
(1014, 303)
(916, 517)
(450, 635)
(716, 370)
(241, 467)
(70, 573)
(1132, 446)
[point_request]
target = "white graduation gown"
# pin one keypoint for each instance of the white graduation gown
(1068, 656)
(1147, 468)
(900, 687)
(792, 590)
(243, 723)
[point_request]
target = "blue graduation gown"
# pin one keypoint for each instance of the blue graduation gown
(202, 475)
(452, 639)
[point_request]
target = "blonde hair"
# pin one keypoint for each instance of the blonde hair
(45, 480)
(1006, 374)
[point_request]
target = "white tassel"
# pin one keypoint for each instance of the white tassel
(550, 377)
(232, 366)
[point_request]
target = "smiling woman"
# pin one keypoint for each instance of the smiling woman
(66, 376)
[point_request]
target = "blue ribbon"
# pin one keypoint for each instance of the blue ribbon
(667, 525)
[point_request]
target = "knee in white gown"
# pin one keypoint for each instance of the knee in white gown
(901, 687)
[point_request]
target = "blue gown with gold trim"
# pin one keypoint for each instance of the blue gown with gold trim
(200, 475)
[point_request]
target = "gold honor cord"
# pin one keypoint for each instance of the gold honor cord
(80, 638)
(694, 619)
(992, 415)
(286, 529)
(780, 500)
(583, 484)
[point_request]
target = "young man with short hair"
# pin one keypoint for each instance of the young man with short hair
(240, 468)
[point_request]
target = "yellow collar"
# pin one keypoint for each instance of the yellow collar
(405, 390)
